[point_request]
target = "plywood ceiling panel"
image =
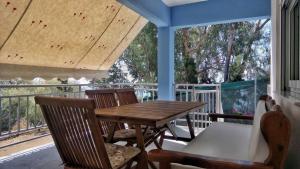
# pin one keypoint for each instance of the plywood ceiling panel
(111, 59)
(107, 43)
(85, 34)
(10, 13)
(59, 32)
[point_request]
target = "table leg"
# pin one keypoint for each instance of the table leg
(171, 129)
(161, 139)
(157, 144)
(192, 132)
(143, 164)
(111, 132)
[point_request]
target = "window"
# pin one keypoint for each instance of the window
(290, 46)
(294, 61)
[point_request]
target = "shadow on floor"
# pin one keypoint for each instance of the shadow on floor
(44, 158)
(48, 158)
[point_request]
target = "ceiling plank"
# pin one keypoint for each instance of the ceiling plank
(58, 34)
(111, 59)
(122, 23)
(11, 12)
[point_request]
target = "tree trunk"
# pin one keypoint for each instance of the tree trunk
(230, 40)
(254, 37)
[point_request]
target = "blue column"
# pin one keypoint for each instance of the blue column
(166, 63)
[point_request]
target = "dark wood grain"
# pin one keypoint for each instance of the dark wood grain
(126, 96)
(156, 113)
(105, 98)
(165, 158)
(77, 136)
(191, 129)
(214, 116)
(276, 129)
(141, 144)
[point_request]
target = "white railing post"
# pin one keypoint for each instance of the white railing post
(218, 101)
(186, 93)
(194, 94)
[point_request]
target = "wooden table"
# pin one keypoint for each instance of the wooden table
(154, 114)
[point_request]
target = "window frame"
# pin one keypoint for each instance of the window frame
(290, 46)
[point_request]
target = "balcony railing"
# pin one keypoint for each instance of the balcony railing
(19, 113)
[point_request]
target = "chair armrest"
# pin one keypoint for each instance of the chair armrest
(165, 157)
(215, 116)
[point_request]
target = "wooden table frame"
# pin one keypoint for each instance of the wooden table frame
(153, 114)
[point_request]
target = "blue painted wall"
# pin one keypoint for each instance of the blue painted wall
(219, 11)
(154, 10)
(202, 13)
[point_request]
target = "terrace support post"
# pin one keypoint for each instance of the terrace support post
(165, 60)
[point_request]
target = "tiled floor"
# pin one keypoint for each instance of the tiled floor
(46, 156)
(6, 151)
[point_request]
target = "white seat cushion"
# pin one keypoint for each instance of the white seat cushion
(179, 166)
(258, 150)
(231, 141)
(222, 140)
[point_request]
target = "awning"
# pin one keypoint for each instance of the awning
(64, 37)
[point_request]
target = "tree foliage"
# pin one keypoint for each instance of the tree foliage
(208, 54)
(141, 56)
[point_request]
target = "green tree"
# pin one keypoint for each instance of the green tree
(141, 56)
(116, 75)
(210, 54)
(233, 50)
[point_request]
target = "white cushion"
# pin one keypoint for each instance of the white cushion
(258, 148)
(179, 166)
(222, 140)
(231, 141)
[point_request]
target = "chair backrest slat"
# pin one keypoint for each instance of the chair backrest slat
(276, 129)
(77, 136)
(104, 98)
(126, 96)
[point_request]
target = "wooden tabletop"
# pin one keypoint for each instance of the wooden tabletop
(156, 113)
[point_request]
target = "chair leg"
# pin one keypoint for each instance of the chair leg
(129, 144)
(128, 166)
(152, 165)
(170, 128)
(157, 144)
(141, 162)
(164, 165)
(161, 139)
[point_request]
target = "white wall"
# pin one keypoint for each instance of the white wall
(287, 103)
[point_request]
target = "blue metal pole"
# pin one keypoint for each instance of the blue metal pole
(166, 63)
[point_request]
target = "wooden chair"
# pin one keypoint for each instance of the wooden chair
(275, 131)
(105, 98)
(127, 96)
(73, 125)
